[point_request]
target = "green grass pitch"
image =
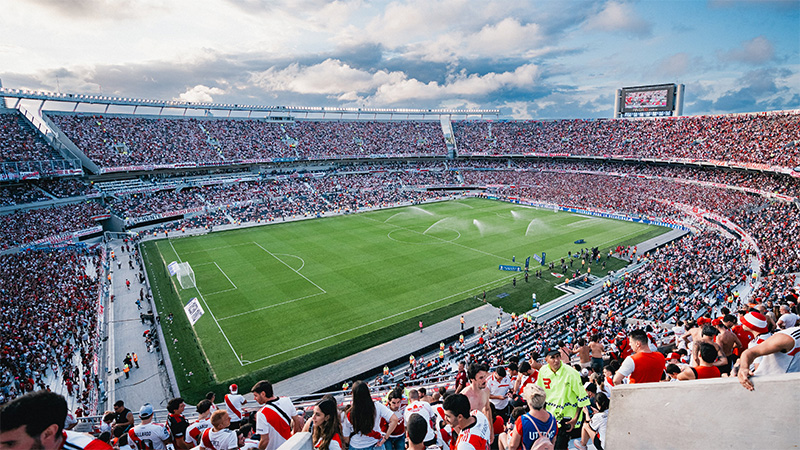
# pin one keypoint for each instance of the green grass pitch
(290, 295)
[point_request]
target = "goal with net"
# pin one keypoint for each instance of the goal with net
(185, 275)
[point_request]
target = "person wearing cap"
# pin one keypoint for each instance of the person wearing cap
(644, 366)
(36, 421)
(757, 325)
(623, 346)
(566, 396)
(780, 353)
(234, 404)
(153, 435)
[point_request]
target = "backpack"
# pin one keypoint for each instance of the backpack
(542, 442)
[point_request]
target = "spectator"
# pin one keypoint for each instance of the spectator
(536, 425)
(362, 423)
(219, 436)
(644, 366)
(706, 368)
(327, 433)
(396, 440)
(778, 353)
(566, 396)
(234, 406)
(36, 421)
(474, 430)
(152, 435)
(423, 409)
(195, 431)
(177, 423)
(277, 420)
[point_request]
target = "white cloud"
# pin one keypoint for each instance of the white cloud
(345, 83)
(508, 38)
(619, 17)
(200, 94)
(756, 51)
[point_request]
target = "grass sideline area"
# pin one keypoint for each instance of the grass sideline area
(285, 298)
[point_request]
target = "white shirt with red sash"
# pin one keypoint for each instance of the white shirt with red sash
(275, 420)
(234, 404)
(476, 436)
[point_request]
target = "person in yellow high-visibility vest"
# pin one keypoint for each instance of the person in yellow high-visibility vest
(126, 368)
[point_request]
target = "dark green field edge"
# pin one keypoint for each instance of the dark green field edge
(194, 375)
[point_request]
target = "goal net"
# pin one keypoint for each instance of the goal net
(185, 275)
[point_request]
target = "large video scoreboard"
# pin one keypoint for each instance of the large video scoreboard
(649, 101)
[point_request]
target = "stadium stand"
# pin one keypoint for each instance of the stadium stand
(763, 139)
(20, 142)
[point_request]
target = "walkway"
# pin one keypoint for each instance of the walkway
(375, 357)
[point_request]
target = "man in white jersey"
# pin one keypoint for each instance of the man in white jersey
(423, 408)
(147, 433)
(219, 436)
(234, 405)
(195, 430)
(474, 430)
(780, 353)
(498, 385)
(277, 420)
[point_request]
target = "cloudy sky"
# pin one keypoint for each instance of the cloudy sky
(530, 59)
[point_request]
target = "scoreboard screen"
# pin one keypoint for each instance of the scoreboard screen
(648, 98)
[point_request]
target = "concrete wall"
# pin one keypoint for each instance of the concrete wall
(299, 441)
(707, 414)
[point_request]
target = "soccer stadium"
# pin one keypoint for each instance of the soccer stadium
(160, 257)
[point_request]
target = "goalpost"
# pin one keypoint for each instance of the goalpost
(185, 275)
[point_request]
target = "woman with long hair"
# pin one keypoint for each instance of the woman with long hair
(327, 433)
(362, 425)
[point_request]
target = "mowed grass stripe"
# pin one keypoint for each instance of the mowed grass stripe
(375, 269)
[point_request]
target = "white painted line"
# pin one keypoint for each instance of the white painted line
(226, 275)
(290, 267)
(200, 294)
(271, 306)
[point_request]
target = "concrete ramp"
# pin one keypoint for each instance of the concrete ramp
(707, 414)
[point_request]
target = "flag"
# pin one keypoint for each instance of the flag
(527, 262)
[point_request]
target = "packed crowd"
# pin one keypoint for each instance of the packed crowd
(644, 197)
(41, 190)
(23, 227)
(49, 314)
(765, 138)
(121, 141)
(767, 182)
(20, 142)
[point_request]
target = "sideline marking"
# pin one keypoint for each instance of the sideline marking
(200, 294)
(226, 275)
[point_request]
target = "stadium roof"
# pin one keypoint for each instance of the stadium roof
(79, 99)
